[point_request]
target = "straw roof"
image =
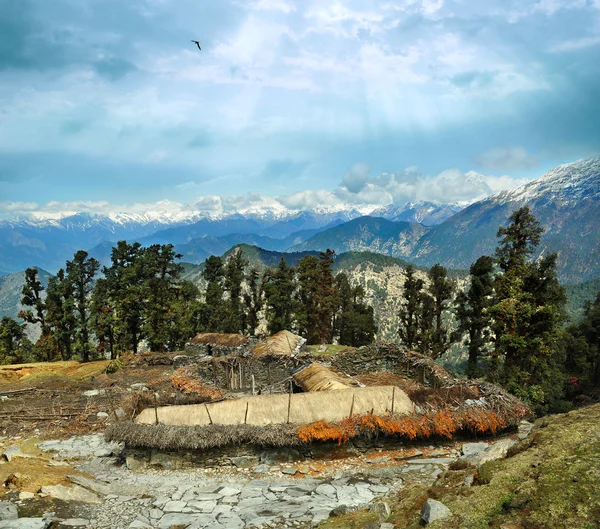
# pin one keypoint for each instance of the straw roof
(284, 343)
(220, 340)
(317, 377)
(296, 408)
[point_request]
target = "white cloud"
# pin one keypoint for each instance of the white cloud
(576, 44)
(274, 5)
(509, 158)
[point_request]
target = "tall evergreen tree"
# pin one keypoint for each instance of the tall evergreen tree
(234, 277)
(355, 321)
(60, 317)
(161, 274)
(253, 302)
(32, 297)
(126, 286)
(441, 289)
(280, 286)
(213, 309)
(528, 313)
(473, 311)
(325, 299)
(411, 309)
(81, 272)
(307, 272)
(15, 348)
(104, 317)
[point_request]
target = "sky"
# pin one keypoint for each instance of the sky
(107, 105)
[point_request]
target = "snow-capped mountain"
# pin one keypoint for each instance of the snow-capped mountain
(426, 213)
(566, 201)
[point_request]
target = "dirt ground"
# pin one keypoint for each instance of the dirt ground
(47, 400)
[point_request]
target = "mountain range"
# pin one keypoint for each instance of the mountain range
(49, 242)
(566, 201)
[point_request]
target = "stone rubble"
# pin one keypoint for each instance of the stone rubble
(239, 497)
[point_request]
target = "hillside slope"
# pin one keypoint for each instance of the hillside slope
(372, 234)
(566, 201)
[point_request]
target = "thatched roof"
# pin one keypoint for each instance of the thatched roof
(284, 343)
(296, 408)
(317, 377)
(220, 340)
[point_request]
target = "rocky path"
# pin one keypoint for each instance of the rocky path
(118, 498)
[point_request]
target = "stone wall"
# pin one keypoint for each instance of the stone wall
(394, 359)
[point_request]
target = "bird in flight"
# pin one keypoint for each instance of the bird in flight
(197, 44)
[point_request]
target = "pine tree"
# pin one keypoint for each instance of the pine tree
(60, 315)
(32, 297)
(473, 311)
(161, 274)
(81, 272)
(253, 302)
(280, 286)
(355, 321)
(528, 315)
(410, 309)
(15, 347)
(234, 277)
(325, 299)
(307, 272)
(440, 289)
(126, 289)
(213, 309)
(104, 317)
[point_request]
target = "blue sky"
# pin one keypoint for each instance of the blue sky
(106, 105)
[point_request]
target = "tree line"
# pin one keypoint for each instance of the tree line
(511, 319)
(141, 296)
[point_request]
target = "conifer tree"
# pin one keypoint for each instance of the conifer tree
(473, 311)
(213, 309)
(161, 274)
(411, 308)
(60, 317)
(15, 347)
(325, 299)
(104, 317)
(441, 289)
(253, 302)
(307, 272)
(234, 277)
(528, 315)
(280, 286)
(126, 287)
(32, 297)
(355, 321)
(81, 272)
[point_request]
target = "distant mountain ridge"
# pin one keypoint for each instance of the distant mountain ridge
(566, 201)
(49, 242)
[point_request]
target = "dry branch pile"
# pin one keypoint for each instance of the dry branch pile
(189, 384)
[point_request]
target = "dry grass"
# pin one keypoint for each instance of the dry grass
(200, 437)
(185, 382)
(317, 377)
(385, 378)
(284, 343)
(30, 372)
(222, 340)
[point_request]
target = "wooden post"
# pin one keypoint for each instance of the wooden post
(208, 413)
(155, 409)
(351, 407)
(269, 378)
(289, 407)
(393, 398)
(246, 416)
(214, 366)
(253, 386)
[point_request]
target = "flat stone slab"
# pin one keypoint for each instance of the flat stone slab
(74, 493)
(8, 511)
(432, 461)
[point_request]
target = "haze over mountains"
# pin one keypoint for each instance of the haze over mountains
(566, 201)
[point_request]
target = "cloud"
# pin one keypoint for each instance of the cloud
(511, 158)
(356, 179)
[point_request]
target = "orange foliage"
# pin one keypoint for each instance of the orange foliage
(324, 431)
(444, 423)
(186, 384)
